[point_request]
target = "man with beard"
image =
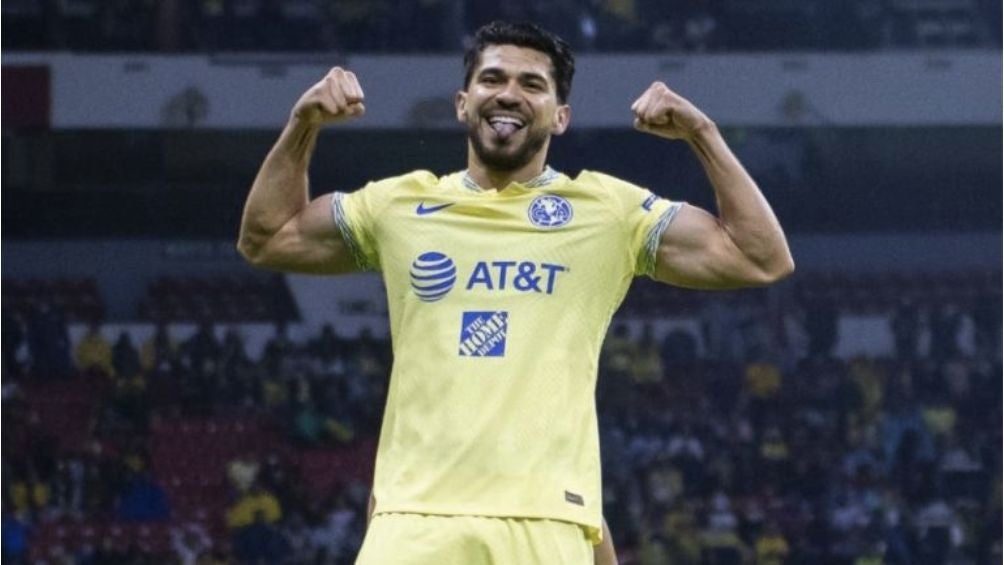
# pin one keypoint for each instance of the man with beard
(501, 282)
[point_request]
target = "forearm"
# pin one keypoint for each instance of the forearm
(743, 211)
(281, 188)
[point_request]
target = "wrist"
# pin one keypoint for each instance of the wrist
(706, 132)
(298, 122)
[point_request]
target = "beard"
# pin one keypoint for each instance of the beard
(497, 157)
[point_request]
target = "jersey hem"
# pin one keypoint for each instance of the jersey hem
(593, 531)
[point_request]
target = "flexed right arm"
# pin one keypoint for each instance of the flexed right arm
(282, 228)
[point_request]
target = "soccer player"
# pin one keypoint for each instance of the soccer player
(501, 281)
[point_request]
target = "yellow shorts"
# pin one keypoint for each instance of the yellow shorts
(425, 539)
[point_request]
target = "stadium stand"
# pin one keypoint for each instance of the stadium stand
(712, 451)
(165, 413)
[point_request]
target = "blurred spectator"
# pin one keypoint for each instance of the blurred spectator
(94, 352)
(125, 358)
(652, 550)
(987, 322)
(619, 351)
(720, 330)
(794, 338)
(821, 326)
(159, 353)
(905, 326)
(15, 538)
(939, 531)
(771, 547)
(327, 347)
(28, 493)
(775, 455)
(946, 321)
(200, 355)
(687, 452)
(664, 484)
(202, 350)
(372, 356)
(254, 504)
(242, 473)
(190, 543)
(683, 539)
(49, 342)
(68, 486)
(315, 429)
(236, 371)
(722, 545)
(762, 387)
(108, 551)
(143, 500)
(333, 534)
(679, 349)
(260, 541)
(277, 350)
(13, 342)
(869, 378)
(646, 366)
(298, 537)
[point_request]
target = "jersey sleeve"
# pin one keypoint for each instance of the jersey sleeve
(354, 215)
(361, 216)
(644, 215)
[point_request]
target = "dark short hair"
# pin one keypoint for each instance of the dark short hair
(532, 36)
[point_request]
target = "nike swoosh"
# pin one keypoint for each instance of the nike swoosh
(423, 209)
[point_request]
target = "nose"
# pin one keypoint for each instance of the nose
(508, 96)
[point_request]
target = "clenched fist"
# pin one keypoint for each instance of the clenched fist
(337, 97)
(662, 112)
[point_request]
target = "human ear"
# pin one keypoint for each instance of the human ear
(460, 104)
(562, 118)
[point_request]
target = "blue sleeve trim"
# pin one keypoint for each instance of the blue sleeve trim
(655, 236)
(341, 220)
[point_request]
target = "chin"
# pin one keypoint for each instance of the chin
(505, 155)
(503, 162)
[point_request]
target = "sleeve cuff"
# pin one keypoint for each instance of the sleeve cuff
(655, 236)
(341, 220)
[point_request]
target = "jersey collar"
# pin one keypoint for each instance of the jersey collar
(545, 178)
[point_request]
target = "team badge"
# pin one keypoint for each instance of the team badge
(550, 211)
(432, 276)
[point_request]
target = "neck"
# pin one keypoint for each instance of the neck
(492, 179)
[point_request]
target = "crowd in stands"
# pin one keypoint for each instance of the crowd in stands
(104, 467)
(746, 441)
(438, 25)
(724, 448)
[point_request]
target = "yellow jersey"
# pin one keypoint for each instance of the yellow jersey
(499, 302)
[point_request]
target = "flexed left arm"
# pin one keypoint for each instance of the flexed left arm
(744, 245)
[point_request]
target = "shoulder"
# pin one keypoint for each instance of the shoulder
(598, 178)
(611, 187)
(415, 180)
(376, 195)
(607, 183)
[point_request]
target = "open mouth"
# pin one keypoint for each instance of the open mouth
(505, 126)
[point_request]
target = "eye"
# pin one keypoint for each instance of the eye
(534, 85)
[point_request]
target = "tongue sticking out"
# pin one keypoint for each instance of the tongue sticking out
(504, 129)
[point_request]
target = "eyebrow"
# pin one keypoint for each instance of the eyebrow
(529, 75)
